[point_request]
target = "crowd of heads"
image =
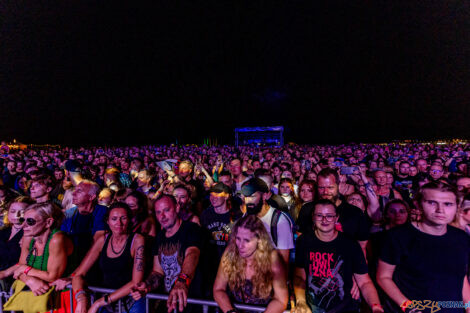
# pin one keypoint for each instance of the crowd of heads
(150, 189)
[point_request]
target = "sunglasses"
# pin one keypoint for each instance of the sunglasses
(31, 221)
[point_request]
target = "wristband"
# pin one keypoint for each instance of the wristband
(184, 279)
(106, 299)
(376, 305)
(26, 270)
(79, 293)
(405, 304)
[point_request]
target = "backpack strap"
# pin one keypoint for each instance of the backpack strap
(274, 221)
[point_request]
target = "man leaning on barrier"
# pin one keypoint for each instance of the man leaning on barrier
(176, 255)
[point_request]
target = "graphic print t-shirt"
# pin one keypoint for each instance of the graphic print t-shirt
(171, 251)
(329, 267)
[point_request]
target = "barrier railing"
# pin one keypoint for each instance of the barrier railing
(150, 296)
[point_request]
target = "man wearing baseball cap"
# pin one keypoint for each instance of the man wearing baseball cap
(255, 193)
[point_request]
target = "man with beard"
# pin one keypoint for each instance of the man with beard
(255, 194)
(352, 221)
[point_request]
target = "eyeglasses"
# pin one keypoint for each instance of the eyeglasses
(31, 221)
(329, 217)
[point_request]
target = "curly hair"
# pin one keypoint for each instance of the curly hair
(234, 265)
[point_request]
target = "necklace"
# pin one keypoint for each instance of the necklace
(120, 251)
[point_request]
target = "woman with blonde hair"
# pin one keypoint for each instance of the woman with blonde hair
(251, 271)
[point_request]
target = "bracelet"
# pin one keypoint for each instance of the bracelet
(106, 299)
(79, 293)
(184, 279)
(26, 270)
(405, 304)
(376, 305)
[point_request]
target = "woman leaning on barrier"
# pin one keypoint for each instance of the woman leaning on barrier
(251, 271)
(44, 253)
(120, 254)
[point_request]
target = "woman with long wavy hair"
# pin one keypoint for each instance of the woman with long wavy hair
(251, 271)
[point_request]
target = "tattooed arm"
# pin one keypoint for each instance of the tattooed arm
(151, 283)
(138, 253)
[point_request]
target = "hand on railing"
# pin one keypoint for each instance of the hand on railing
(139, 290)
(61, 283)
(178, 296)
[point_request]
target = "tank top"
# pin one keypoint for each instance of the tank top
(116, 271)
(245, 295)
(39, 262)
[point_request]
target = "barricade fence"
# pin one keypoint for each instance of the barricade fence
(150, 296)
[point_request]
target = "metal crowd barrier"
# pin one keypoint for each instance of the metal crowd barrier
(204, 303)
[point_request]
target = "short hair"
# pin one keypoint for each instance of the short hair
(225, 173)
(438, 186)
(326, 172)
(48, 210)
(94, 187)
(169, 197)
(181, 186)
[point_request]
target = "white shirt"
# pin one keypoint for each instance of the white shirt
(285, 237)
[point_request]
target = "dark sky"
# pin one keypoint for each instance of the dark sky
(136, 72)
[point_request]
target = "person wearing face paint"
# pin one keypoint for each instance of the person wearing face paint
(251, 271)
(120, 255)
(327, 263)
(416, 257)
(11, 236)
(255, 194)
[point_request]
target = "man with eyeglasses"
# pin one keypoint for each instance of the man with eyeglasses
(326, 262)
(436, 171)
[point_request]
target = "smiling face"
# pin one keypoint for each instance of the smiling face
(324, 217)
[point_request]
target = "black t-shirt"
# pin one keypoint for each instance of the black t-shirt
(428, 267)
(216, 225)
(171, 251)
(329, 267)
(10, 250)
(352, 221)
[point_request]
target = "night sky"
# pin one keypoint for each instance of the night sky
(138, 72)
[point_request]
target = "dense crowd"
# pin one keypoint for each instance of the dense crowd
(346, 228)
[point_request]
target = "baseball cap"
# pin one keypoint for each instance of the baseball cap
(220, 187)
(72, 166)
(253, 185)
